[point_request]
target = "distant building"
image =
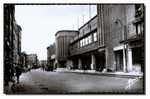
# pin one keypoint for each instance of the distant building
(51, 50)
(43, 64)
(53, 61)
(32, 61)
(23, 60)
(63, 39)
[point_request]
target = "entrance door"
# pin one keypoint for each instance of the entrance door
(119, 60)
(137, 59)
(100, 61)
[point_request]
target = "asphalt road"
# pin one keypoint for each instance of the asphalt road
(43, 82)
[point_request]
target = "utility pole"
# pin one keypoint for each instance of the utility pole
(89, 11)
(78, 22)
(83, 19)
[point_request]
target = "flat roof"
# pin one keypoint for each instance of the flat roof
(66, 31)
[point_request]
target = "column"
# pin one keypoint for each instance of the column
(129, 67)
(106, 57)
(124, 59)
(93, 62)
(79, 63)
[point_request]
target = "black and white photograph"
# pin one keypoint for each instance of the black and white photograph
(74, 48)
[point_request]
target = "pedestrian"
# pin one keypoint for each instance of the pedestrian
(18, 72)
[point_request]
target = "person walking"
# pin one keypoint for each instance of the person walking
(18, 73)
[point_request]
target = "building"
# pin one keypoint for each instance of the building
(32, 61)
(16, 43)
(134, 40)
(112, 40)
(23, 60)
(122, 38)
(63, 39)
(51, 56)
(9, 11)
(43, 64)
(84, 49)
(12, 42)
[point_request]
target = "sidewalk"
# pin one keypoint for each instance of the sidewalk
(93, 72)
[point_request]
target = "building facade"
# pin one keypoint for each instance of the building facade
(8, 39)
(16, 43)
(32, 61)
(23, 60)
(12, 42)
(51, 50)
(113, 39)
(63, 39)
(119, 27)
(88, 47)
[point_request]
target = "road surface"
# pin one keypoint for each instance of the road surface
(42, 82)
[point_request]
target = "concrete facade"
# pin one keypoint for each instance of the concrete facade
(112, 40)
(63, 39)
(118, 25)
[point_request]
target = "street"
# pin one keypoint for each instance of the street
(38, 81)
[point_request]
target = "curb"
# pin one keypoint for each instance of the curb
(106, 74)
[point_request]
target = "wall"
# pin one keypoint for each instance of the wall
(115, 18)
(63, 39)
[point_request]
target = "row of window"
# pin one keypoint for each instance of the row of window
(86, 40)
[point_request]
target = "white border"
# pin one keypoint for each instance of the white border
(147, 5)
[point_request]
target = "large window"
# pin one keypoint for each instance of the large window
(140, 28)
(86, 41)
(95, 36)
(83, 42)
(90, 39)
(80, 43)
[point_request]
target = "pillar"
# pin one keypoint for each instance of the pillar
(106, 57)
(79, 63)
(129, 67)
(93, 62)
(124, 59)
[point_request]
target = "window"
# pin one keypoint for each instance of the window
(90, 39)
(83, 42)
(140, 28)
(80, 43)
(86, 41)
(95, 36)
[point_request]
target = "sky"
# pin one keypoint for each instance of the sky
(40, 23)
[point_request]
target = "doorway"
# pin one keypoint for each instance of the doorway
(119, 60)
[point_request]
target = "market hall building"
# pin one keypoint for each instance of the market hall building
(113, 39)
